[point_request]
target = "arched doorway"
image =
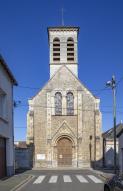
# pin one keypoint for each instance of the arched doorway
(64, 152)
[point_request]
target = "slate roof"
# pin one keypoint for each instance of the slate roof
(120, 133)
(110, 133)
(8, 71)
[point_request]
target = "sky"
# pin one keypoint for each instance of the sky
(24, 46)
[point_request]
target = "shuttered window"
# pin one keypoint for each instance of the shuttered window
(56, 49)
(70, 49)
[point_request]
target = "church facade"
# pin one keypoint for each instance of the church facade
(64, 119)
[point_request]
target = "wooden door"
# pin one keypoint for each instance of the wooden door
(2, 158)
(64, 151)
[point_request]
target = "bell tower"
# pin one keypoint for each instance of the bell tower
(63, 48)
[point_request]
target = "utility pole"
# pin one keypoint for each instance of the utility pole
(112, 84)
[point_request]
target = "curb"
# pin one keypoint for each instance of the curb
(60, 169)
(23, 183)
(103, 175)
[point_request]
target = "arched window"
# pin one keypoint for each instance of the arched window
(56, 49)
(70, 49)
(58, 103)
(70, 103)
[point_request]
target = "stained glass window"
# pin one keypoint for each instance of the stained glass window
(58, 103)
(70, 103)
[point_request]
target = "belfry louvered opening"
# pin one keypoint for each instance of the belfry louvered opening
(70, 49)
(56, 49)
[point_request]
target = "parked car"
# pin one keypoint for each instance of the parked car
(114, 184)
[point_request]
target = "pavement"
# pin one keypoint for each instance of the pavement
(64, 180)
(56, 180)
(14, 182)
(105, 174)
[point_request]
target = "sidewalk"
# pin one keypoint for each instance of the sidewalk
(14, 182)
(105, 174)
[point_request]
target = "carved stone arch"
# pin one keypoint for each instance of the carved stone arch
(64, 145)
(70, 39)
(58, 137)
(64, 129)
(56, 39)
(54, 91)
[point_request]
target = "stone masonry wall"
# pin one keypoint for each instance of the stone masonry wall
(85, 123)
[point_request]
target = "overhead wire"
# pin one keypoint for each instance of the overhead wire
(99, 91)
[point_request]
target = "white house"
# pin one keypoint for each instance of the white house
(120, 139)
(108, 146)
(7, 81)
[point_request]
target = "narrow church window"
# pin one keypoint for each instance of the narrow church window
(70, 49)
(58, 103)
(56, 49)
(70, 103)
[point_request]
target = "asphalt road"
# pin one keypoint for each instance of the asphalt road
(64, 180)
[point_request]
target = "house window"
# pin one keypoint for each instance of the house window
(56, 49)
(58, 103)
(3, 105)
(70, 103)
(70, 49)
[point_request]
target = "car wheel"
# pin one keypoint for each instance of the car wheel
(106, 188)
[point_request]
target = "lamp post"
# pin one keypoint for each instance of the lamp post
(112, 84)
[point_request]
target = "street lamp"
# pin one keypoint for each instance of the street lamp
(112, 84)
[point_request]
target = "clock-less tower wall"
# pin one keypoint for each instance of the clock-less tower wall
(63, 47)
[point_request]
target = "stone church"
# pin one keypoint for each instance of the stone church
(64, 119)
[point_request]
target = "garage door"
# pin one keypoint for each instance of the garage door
(2, 157)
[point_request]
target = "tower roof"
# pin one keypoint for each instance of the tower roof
(8, 71)
(62, 28)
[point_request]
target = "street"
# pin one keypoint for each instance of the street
(64, 180)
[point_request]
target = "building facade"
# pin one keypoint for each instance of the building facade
(6, 120)
(64, 119)
(120, 141)
(23, 155)
(108, 147)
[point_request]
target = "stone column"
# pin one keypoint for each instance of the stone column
(79, 129)
(48, 130)
(63, 50)
(64, 104)
(48, 115)
(75, 103)
(79, 114)
(53, 105)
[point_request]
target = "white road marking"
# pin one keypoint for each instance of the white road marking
(53, 179)
(96, 180)
(67, 178)
(81, 179)
(39, 180)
